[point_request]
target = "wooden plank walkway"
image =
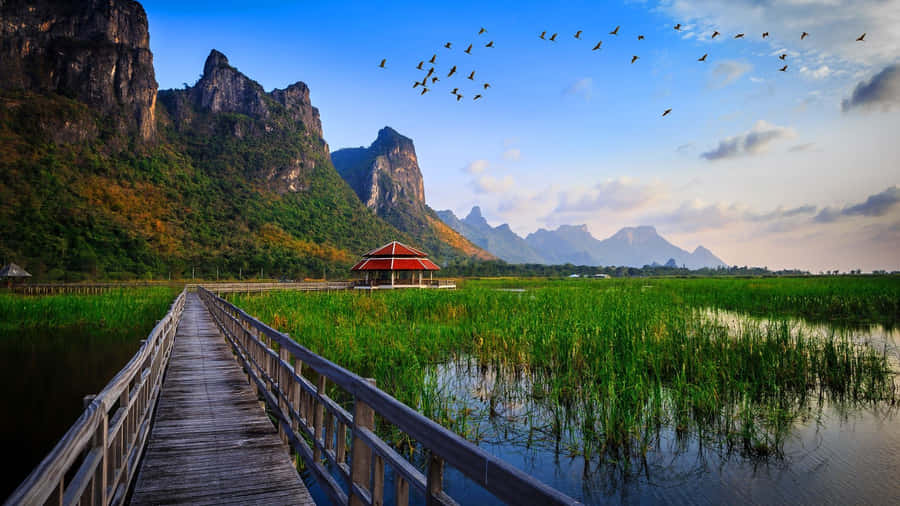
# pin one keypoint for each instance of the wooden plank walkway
(211, 443)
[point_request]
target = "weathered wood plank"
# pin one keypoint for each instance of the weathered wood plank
(211, 443)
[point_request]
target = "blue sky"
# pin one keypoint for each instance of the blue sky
(761, 166)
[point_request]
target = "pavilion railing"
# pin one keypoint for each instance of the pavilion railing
(96, 459)
(304, 412)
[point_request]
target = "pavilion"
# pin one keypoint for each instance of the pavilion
(396, 265)
(12, 272)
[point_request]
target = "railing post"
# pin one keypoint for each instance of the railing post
(318, 420)
(435, 483)
(283, 386)
(360, 453)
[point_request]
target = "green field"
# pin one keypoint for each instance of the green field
(605, 365)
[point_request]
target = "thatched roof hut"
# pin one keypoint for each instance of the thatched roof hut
(12, 270)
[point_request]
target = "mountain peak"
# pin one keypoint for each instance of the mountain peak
(475, 213)
(636, 235)
(214, 60)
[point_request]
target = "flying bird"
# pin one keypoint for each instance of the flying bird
(434, 79)
(454, 91)
(447, 45)
(417, 83)
(640, 37)
(452, 71)
(487, 85)
(678, 27)
(553, 37)
(419, 66)
(476, 97)
(542, 35)
(597, 46)
(739, 36)
(459, 97)
(666, 112)
(382, 63)
(578, 35)
(765, 34)
(803, 35)
(472, 75)
(481, 31)
(424, 91)
(782, 57)
(432, 58)
(861, 38)
(634, 58)
(468, 49)
(430, 71)
(715, 34)
(783, 69)
(615, 32)
(489, 44)
(702, 58)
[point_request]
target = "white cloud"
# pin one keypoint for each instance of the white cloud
(512, 154)
(754, 141)
(476, 167)
(618, 195)
(819, 73)
(491, 184)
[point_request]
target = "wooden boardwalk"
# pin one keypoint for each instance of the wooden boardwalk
(211, 443)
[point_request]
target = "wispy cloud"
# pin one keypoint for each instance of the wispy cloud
(476, 167)
(512, 154)
(491, 184)
(882, 91)
(816, 73)
(620, 195)
(752, 142)
(583, 88)
(879, 204)
(727, 72)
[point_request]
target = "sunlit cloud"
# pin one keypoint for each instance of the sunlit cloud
(491, 184)
(476, 167)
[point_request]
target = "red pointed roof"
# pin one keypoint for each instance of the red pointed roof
(395, 264)
(395, 249)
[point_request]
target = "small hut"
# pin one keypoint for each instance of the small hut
(13, 273)
(395, 264)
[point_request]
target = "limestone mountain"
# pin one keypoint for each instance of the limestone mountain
(387, 179)
(222, 177)
(499, 240)
(94, 51)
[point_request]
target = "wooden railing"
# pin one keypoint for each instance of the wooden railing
(81, 288)
(304, 411)
(96, 459)
(307, 286)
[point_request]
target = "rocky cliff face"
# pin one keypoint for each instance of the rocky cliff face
(227, 103)
(95, 51)
(386, 174)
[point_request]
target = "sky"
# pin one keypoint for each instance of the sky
(794, 169)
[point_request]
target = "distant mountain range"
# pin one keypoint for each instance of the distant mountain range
(631, 246)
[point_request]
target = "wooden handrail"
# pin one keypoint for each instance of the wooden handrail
(300, 408)
(107, 440)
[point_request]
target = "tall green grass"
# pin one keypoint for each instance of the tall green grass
(604, 366)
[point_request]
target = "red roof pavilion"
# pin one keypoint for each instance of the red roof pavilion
(392, 257)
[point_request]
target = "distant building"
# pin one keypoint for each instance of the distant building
(12, 273)
(396, 265)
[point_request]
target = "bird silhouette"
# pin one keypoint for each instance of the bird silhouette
(553, 37)
(715, 34)
(417, 83)
(666, 112)
(702, 58)
(640, 37)
(452, 71)
(782, 57)
(597, 46)
(434, 79)
(861, 38)
(487, 85)
(481, 31)
(476, 97)
(489, 44)
(472, 76)
(382, 63)
(765, 34)
(459, 97)
(419, 66)
(454, 91)
(468, 49)
(634, 58)
(615, 32)
(783, 69)
(430, 71)
(542, 35)
(803, 35)
(739, 36)
(424, 91)
(678, 27)
(432, 58)
(447, 45)
(578, 34)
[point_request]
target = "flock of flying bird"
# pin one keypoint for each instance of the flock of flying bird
(432, 79)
